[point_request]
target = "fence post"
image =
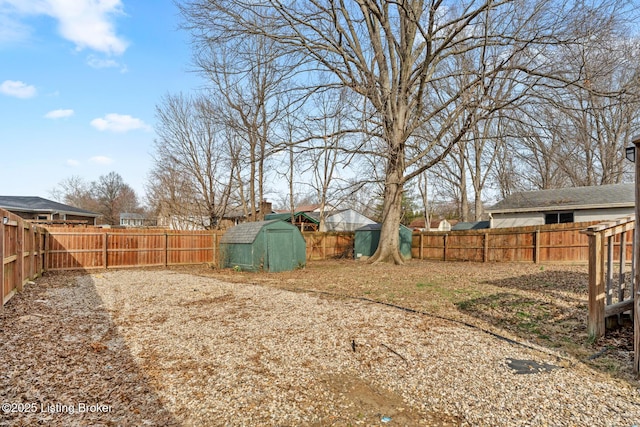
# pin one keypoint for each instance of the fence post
(421, 245)
(536, 247)
(636, 257)
(32, 263)
(215, 242)
(622, 266)
(2, 231)
(41, 251)
(444, 247)
(485, 251)
(324, 246)
(20, 255)
(45, 245)
(105, 241)
(609, 286)
(166, 249)
(595, 324)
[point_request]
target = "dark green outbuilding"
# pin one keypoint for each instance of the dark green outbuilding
(368, 237)
(265, 245)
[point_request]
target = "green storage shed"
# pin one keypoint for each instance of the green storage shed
(265, 245)
(368, 237)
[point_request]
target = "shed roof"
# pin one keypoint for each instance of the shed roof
(282, 216)
(39, 204)
(378, 226)
(313, 217)
(245, 232)
(601, 196)
(478, 225)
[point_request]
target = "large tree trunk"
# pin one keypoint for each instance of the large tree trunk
(389, 246)
(479, 207)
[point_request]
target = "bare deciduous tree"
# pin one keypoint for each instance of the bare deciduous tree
(402, 58)
(74, 191)
(247, 77)
(113, 197)
(109, 196)
(194, 162)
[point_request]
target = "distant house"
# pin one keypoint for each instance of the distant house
(562, 205)
(43, 210)
(309, 208)
(230, 218)
(128, 219)
(435, 225)
(341, 220)
(235, 216)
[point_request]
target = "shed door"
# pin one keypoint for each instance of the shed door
(280, 253)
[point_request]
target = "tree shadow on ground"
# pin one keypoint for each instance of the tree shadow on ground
(65, 363)
(568, 286)
(550, 308)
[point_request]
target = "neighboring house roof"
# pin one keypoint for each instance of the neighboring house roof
(602, 196)
(238, 212)
(418, 223)
(128, 215)
(308, 208)
(244, 233)
(478, 225)
(38, 204)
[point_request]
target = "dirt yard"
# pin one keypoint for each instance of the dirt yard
(475, 345)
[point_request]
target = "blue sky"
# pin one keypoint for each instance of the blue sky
(79, 83)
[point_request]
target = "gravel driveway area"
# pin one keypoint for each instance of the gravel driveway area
(162, 347)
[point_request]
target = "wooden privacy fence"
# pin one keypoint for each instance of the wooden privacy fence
(69, 248)
(86, 248)
(328, 245)
(611, 245)
(21, 252)
(79, 248)
(544, 243)
(72, 248)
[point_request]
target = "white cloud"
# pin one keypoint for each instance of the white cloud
(101, 160)
(119, 123)
(12, 30)
(58, 114)
(95, 62)
(17, 89)
(72, 163)
(86, 23)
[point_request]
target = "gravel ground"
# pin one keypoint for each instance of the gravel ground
(167, 348)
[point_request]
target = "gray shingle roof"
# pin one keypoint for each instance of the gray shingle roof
(478, 225)
(131, 215)
(602, 196)
(244, 233)
(38, 204)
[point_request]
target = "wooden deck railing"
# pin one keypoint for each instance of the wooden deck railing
(610, 293)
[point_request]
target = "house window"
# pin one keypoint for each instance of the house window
(558, 217)
(43, 217)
